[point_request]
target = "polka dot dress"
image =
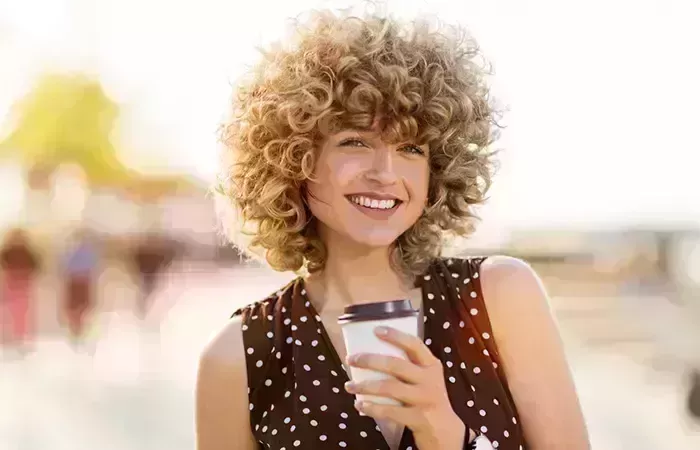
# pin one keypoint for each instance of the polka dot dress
(296, 378)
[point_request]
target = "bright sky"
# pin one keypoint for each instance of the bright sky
(603, 93)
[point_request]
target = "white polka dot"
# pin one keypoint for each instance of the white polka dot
(244, 327)
(287, 420)
(432, 311)
(430, 296)
(461, 324)
(515, 421)
(470, 403)
(462, 365)
(495, 444)
(323, 437)
(342, 426)
(265, 414)
(294, 328)
(302, 398)
(452, 379)
(251, 406)
(297, 443)
(287, 321)
(344, 415)
(484, 429)
(317, 383)
(272, 407)
(334, 373)
(446, 325)
(425, 319)
(303, 318)
(298, 342)
(268, 382)
(318, 318)
(442, 296)
(466, 281)
(426, 278)
(472, 340)
(455, 275)
(474, 311)
(306, 410)
(307, 368)
(363, 434)
(448, 350)
(495, 365)
(495, 402)
(336, 390)
(254, 318)
(506, 433)
(284, 370)
(307, 304)
(292, 428)
(287, 394)
(313, 423)
(472, 294)
(342, 444)
(485, 352)
(473, 388)
(476, 275)
(259, 363)
(274, 432)
(477, 370)
(321, 358)
(482, 413)
(279, 355)
(314, 343)
(448, 364)
(289, 340)
(324, 407)
(269, 317)
(428, 341)
(250, 350)
(409, 448)
(270, 334)
(486, 335)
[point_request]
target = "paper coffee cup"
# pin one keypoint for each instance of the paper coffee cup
(358, 325)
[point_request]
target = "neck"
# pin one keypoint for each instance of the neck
(354, 275)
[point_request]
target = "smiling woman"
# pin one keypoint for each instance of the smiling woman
(354, 150)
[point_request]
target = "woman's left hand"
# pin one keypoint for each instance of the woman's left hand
(418, 383)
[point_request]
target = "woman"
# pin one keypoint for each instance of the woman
(355, 149)
(19, 265)
(80, 266)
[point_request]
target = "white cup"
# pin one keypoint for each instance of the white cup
(358, 325)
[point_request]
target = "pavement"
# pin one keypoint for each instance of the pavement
(135, 391)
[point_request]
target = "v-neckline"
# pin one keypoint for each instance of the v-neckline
(340, 367)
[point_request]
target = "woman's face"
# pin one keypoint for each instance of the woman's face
(367, 191)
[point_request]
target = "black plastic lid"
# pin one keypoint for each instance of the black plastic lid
(378, 311)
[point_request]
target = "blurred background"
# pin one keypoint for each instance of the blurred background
(113, 276)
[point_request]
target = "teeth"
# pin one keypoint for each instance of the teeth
(373, 203)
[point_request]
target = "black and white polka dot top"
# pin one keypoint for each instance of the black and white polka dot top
(296, 379)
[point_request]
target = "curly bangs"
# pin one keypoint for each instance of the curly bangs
(427, 86)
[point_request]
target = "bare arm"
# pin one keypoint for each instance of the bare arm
(221, 404)
(532, 356)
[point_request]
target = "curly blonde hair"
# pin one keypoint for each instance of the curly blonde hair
(343, 72)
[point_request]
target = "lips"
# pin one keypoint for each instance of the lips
(374, 202)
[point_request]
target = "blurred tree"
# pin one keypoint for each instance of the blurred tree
(66, 119)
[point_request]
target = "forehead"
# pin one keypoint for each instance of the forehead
(389, 130)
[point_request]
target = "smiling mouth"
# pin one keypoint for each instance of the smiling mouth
(371, 203)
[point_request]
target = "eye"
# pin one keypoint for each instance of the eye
(352, 142)
(413, 149)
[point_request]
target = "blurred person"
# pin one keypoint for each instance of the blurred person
(19, 265)
(353, 152)
(79, 265)
(152, 254)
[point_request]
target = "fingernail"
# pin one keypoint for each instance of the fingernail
(352, 359)
(350, 386)
(359, 405)
(381, 331)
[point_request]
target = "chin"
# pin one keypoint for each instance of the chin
(376, 237)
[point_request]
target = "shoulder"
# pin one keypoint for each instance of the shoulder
(221, 393)
(513, 293)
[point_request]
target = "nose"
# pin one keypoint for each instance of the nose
(382, 169)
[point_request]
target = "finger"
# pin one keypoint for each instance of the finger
(391, 388)
(397, 367)
(402, 415)
(413, 346)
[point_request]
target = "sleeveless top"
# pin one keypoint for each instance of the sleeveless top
(296, 380)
